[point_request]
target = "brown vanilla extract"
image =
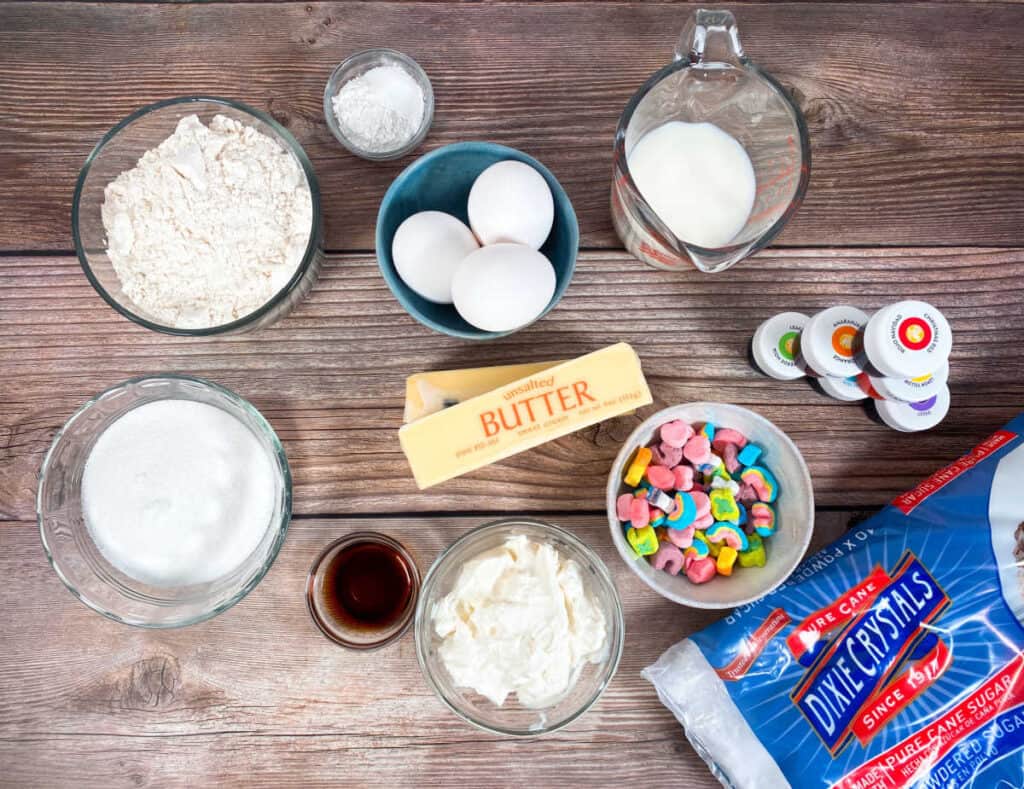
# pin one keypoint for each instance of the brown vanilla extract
(366, 585)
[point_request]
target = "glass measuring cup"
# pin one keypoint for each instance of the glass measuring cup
(711, 80)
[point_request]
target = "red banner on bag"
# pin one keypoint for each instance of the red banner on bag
(898, 694)
(903, 764)
(754, 645)
(837, 613)
(909, 500)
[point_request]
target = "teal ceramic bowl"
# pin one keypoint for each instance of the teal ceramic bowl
(440, 181)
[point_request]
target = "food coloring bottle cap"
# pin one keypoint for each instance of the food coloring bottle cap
(845, 389)
(914, 417)
(832, 342)
(776, 346)
(864, 381)
(911, 390)
(907, 339)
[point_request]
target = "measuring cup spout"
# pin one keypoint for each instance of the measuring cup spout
(710, 36)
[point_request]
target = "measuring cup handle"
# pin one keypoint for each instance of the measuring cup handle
(710, 36)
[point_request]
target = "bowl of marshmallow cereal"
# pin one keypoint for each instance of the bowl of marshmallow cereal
(710, 504)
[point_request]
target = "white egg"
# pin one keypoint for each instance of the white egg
(427, 249)
(510, 202)
(503, 286)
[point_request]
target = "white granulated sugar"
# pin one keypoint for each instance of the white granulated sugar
(177, 492)
(380, 110)
(208, 225)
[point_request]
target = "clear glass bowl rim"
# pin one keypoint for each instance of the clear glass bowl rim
(615, 649)
(651, 217)
(422, 78)
(308, 258)
(282, 528)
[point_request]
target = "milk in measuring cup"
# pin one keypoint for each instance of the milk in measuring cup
(698, 179)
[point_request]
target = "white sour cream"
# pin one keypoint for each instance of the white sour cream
(520, 620)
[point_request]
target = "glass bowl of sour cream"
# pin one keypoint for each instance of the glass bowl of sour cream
(519, 627)
(164, 501)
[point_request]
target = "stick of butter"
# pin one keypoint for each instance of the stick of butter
(524, 413)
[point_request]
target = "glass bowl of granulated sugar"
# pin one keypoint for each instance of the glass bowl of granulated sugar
(163, 501)
(379, 104)
(199, 216)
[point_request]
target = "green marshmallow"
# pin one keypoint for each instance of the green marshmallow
(722, 472)
(755, 555)
(644, 541)
(723, 505)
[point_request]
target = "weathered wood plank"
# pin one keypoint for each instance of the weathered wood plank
(257, 696)
(330, 377)
(915, 110)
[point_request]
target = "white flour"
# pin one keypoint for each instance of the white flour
(380, 110)
(209, 225)
(177, 492)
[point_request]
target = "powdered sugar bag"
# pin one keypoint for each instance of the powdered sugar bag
(892, 658)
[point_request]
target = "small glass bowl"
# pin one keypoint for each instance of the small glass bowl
(357, 65)
(70, 547)
(120, 150)
(512, 718)
(366, 639)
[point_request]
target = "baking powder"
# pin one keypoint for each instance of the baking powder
(380, 110)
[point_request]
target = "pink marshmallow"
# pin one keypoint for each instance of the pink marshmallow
(639, 512)
(704, 522)
(730, 455)
(681, 538)
(702, 501)
(668, 558)
(725, 436)
(676, 433)
(701, 570)
(697, 450)
(683, 478)
(670, 456)
(660, 477)
(760, 489)
(623, 506)
(762, 515)
(748, 495)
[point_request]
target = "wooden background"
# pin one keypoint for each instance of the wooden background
(916, 116)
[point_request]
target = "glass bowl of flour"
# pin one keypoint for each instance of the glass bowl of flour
(164, 501)
(199, 216)
(519, 627)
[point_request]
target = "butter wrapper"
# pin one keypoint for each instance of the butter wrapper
(538, 407)
(428, 393)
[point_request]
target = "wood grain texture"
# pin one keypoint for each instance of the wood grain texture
(258, 697)
(916, 111)
(330, 376)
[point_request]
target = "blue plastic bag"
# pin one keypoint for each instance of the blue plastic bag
(892, 658)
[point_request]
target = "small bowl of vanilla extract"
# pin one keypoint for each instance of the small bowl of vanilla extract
(362, 590)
